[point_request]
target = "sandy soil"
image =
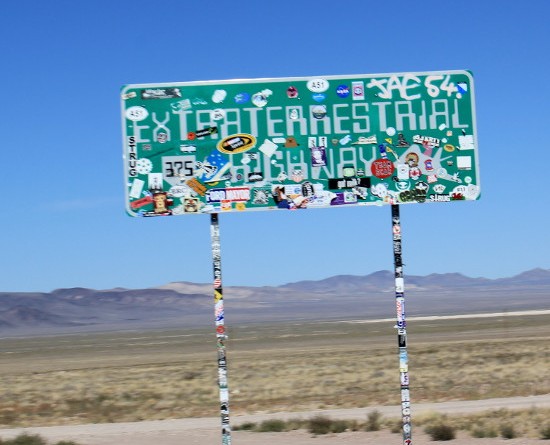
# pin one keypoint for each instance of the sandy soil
(197, 437)
(207, 431)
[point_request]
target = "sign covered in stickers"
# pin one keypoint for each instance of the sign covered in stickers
(297, 143)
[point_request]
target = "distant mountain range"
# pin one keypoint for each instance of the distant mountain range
(184, 304)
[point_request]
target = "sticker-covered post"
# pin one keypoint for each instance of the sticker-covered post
(401, 325)
(220, 329)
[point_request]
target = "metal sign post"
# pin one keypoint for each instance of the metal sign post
(220, 328)
(401, 325)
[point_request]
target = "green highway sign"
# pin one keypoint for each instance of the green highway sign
(301, 142)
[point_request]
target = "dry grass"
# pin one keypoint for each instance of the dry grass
(532, 423)
(494, 423)
(121, 377)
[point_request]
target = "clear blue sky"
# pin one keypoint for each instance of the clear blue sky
(63, 64)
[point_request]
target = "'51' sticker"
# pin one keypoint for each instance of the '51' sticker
(136, 114)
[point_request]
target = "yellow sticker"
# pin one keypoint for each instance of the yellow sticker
(236, 143)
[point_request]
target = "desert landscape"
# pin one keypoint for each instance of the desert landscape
(95, 387)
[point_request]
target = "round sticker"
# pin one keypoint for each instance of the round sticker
(317, 85)
(236, 143)
(415, 173)
(218, 114)
(348, 172)
(292, 92)
(358, 91)
(136, 113)
(219, 96)
(342, 91)
(144, 166)
(242, 98)
(259, 100)
(402, 185)
(319, 111)
(382, 168)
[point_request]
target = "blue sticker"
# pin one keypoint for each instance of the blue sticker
(462, 87)
(213, 167)
(342, 91)
(242, 98)
(318, 97)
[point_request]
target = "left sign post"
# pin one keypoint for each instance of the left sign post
(219, 313)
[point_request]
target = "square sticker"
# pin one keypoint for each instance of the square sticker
(466, 142)
(464, 162)
(268, 148)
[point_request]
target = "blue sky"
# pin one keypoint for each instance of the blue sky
(64, 62)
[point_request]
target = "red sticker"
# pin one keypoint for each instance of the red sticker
(141, 202)
(382, 168)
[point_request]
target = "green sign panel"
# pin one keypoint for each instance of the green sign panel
(297, 143)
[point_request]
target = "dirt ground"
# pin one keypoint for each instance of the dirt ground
(207, 431)
(210, 437)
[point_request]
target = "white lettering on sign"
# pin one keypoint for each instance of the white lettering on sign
(357, 117)
(338, 120)
(275, 122)
(237, 194)
(403, 110)
(161, 125)
(137, 132)
(435, 90)
(231, 123)
(402, 84)
(272, 121)
(216, 195)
